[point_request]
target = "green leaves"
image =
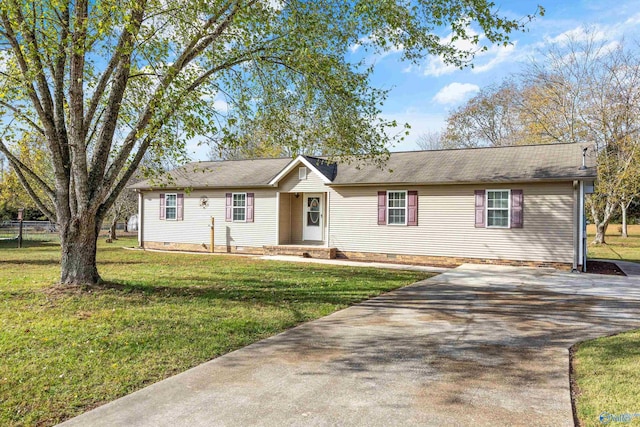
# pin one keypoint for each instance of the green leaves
(109, 82)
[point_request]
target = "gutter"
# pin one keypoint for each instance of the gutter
(576, 225)
(191, 188)
(431, 183)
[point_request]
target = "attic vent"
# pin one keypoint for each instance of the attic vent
(302, 173)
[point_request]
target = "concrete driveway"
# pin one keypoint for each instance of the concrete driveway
(478, 345)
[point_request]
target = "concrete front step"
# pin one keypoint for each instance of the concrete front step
(320, 252)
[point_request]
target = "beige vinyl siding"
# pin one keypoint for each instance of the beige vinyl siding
(292, 184)
(296, 219)
(284, 228)
(446, 224)
(195, 228)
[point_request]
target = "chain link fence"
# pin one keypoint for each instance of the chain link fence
(40, 231)
(46, 231)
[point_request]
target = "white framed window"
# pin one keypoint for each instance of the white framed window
(302, 172)
(498, 212)
(171, 206)
(239, 207)
(397, 207)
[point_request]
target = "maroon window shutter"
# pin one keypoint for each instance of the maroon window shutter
(480, 208)
(180, 207)
(229, 208)
(412, 211)
(517, 202)
(162, 209)
(249, 216)
(382, 207)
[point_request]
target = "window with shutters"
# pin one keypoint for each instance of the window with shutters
(397, 207)
(240, 207)
(171, 206)
(498, 212)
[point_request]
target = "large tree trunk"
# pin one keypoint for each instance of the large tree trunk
(112, 229)
(624, 207)
(601, 231)
(601, 223)
(78, 241)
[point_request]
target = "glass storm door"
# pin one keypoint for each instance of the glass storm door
(312, 228)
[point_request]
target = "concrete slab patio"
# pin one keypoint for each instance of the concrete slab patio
(477, 345)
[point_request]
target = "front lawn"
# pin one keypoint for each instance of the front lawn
(625, 249)
(64, 353)
(607, 370)
(607, 373)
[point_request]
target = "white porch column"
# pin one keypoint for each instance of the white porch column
(327, 231)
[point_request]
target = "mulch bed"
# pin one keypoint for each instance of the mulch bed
(604, 267)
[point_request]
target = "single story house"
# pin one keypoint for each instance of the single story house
(521, 205)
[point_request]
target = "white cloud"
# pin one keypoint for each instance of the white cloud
(499, 55)
(275, 4)
(455, 92)
(578, 34)
(436, 67)
(367, 40)
(596, 32)
(633, 20)
(483, 60)
(221, 106)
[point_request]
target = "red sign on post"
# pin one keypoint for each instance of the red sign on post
(20, 214)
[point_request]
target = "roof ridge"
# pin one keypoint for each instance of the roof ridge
(489, 147)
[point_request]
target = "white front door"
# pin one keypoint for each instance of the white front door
(312, 222)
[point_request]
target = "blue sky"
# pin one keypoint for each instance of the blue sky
(424, 94)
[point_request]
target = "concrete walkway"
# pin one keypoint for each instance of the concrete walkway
(477, 345)
(628, 268)
(345, 262)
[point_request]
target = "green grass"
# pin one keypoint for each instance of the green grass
(66, 352)
(625, 249)
(608, 378)
(607, 370)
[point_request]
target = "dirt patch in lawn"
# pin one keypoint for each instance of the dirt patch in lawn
(604, 267)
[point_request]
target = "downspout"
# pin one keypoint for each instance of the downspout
(278, 217)
(576, 226)
(140, 218)
(583, 230)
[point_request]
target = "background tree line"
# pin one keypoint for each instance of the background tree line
(583, 90)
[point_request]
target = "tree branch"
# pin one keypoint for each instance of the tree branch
(197, 45)
(19, 167)
(105, 138)
(23, 116)
(17, 164)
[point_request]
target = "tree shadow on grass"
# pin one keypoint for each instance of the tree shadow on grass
(289, 288)
(277, 293)
(13, 244)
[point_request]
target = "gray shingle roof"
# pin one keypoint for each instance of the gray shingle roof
(477, 165)
(228, 174)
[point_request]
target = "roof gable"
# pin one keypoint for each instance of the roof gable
(326, 171)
